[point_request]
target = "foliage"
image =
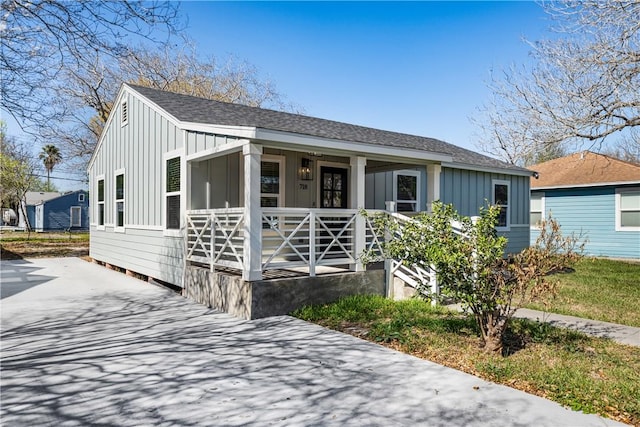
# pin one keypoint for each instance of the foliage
(471, 268)
(582, 87)
(589, 374)
(17, 172)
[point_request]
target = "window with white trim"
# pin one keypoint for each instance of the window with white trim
(101, 201)
(628, 209)
(81, 197)
(119, 199)
(406, 191)
(536, 210)
(76, 216)
(172, 193)
(500, 198)
(271, 183)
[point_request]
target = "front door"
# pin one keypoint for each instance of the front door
(334, 187)
(334, 196)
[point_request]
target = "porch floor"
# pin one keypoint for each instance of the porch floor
(294, 272)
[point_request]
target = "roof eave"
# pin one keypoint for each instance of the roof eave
(595, 184)
(490, 169)
(316, 143)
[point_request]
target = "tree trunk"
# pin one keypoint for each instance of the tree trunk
(492, 327)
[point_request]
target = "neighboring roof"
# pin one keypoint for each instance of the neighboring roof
(192, 109)
(584, 169)
(35, 197)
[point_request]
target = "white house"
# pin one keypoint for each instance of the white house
(182, 181)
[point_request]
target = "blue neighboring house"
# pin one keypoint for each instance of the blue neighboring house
(27, 210)
(69, 211)
(593, 194)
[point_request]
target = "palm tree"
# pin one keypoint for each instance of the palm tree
(50, 156)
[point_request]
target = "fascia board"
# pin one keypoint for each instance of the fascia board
(313, 143)
(596, 184)
(488, 169)
(239, 131)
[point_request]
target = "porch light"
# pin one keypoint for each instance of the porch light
(305, 172)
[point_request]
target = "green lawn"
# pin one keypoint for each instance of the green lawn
(600, 289)
(589, 374)
(23, 236)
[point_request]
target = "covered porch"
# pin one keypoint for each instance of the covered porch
(258, 208)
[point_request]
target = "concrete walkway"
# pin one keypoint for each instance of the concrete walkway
(619, 333)
(83, 345)
(622, 334)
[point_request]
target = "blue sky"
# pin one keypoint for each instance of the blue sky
(412, 67)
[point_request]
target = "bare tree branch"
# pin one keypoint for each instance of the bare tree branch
(582, 88)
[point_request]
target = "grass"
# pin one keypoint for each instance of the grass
(589, 374)
(15, 245)
(599, 289)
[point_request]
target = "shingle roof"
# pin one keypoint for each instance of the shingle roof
(35, 197)
(582, 169)
(187, 108)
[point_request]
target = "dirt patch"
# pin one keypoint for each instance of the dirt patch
(40, 249)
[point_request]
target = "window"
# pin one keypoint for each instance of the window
(537, 210)
(81, 197)
(628, 209)
(173, 193)
(124, 113)
(406, 191)
(119, 199)
(101, 202)
(76, 216)
(501, 199)
(270, 184)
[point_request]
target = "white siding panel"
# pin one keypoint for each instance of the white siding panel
(137, 147)
(143, 251)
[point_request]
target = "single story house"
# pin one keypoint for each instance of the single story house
(29, 202)
(183, 182)
(66, 212)
(594, 195)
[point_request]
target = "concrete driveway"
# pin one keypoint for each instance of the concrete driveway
(83, 345)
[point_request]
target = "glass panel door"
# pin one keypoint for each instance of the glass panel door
(334, 187)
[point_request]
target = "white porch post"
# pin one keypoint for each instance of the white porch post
(357, 202)
(252, 213)
(433, 184)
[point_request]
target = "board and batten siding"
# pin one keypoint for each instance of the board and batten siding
(136, 148)
(591, 211)
(468, 191)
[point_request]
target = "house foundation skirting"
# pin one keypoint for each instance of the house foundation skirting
(264, 298)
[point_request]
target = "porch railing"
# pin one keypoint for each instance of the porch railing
(299, 238)
(291, 237)
(216, 237)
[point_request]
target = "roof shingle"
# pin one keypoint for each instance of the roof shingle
(582, 169)
(192, 109)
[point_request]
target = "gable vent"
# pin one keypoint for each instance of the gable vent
(124, 110)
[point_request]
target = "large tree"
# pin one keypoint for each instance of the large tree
(582, 86)
(43, 40)
(89, 93)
